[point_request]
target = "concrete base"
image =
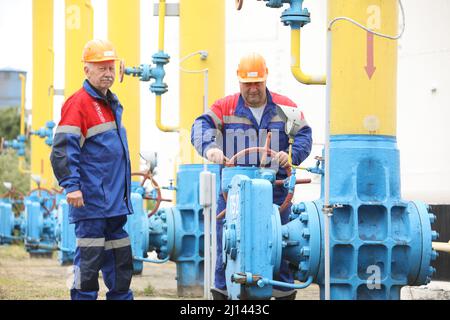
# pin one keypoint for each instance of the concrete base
(435, 290)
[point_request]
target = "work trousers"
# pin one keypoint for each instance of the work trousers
(102, 244)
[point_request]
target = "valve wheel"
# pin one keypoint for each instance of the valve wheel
(159, 199)
(14, 196)
(266, 151)
(49, 192)
(239, 4)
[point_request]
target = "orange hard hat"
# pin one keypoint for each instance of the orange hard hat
(252, 68)
(99, 50)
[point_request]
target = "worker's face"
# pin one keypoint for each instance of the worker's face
(254, 93)
(101, 74)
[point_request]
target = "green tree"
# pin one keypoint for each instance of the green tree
(9, 123)
(9, 172)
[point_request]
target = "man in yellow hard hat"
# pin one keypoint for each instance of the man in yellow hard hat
(91, 161)
(241, 121)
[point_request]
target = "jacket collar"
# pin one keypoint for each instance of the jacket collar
(268, 114)
(96, 94)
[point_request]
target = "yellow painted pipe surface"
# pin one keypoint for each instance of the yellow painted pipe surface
(79, 30)
(158, 98)
(42, 87)
(364, 68)
(296, 62)
(202, 27)
(21, 166)
(162, 19)
(159, 124)
(124, 33)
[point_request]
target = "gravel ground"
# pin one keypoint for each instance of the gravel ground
(25, 278)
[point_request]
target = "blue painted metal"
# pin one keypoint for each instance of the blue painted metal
(11, 226)
(6, 223)
(247, 235)
(175, 233)
(45, 132)
(65, 233)
(295, 16)
(146, 72)
(137, 228)
(16, 144)
(40, 227)
(378, 242)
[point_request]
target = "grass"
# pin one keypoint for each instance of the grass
(149, 291)
(16, 251)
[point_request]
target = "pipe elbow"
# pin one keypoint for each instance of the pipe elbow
(301, 77)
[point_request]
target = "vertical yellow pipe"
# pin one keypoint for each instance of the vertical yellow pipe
(42, 102)
(124, 33)
(202, 27)
(364, 75)
(79, 30)
(161, 29)
(296, 68)
(158, 98)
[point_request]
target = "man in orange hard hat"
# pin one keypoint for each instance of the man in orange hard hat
(241, 121)
(91, 161)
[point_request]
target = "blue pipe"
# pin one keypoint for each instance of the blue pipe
(151, 260)
(265, 281)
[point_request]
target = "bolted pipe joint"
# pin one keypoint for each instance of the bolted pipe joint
(146, 72)
(296, 16)
(45, 132)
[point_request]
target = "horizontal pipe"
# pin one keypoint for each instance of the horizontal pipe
(297, 181)
(441, 246)
(264, 281)
(11, 237)
(151, 260)
(41, 246)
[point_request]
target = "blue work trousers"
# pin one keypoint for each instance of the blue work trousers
(102, 244)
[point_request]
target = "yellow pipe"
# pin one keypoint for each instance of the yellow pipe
(21, 169)
(42, 86)
(126, 38)
(79, 30)
(205, 18)
(22, 104)
(162, 15)
(159, 124)
(158, 102)
(296, 65)
(363, 95)
(442, 246)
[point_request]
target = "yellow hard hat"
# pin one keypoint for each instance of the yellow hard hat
(252, 68)
(99, 50)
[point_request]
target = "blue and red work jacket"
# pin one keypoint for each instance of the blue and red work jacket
(230, 126)
(90, 154)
